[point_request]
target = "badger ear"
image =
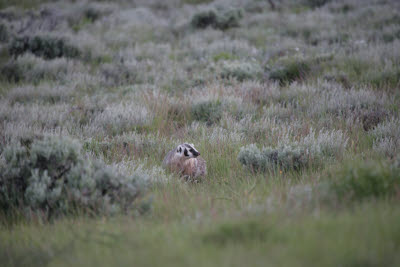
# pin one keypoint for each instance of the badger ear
(179, 150)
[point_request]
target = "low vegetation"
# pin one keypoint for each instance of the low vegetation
(52, 177)
(220, 18)
(282, 158)
(240, 70)
(293, 105)
(43, 46)
(365, 181)
(290, 71)
(209, 112)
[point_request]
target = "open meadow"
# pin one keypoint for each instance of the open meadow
(294, 105)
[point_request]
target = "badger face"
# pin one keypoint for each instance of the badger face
(187, 151)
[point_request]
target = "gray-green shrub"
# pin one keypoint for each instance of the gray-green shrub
(316, 3)
(48, 47)
(119, 118)
(290, 71)
(4, 34)
(195, 2)
(204, 19)
(29, 68)
(87, 14)
(270, 159)
(52, 177)
(11, 72)
(386, 137)
(295, 155)
(222, 19)
(118, 74)
(327, 144)
(207, 111)
(92, 14)
(240, 70)
(228, 18)
(371, 118)
(44, 93)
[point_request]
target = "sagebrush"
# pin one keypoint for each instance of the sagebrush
(53, 177)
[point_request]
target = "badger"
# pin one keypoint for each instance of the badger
(186, 161)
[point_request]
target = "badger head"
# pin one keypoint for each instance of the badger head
(187, 150)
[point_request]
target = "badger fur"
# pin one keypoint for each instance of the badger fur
(186, 161)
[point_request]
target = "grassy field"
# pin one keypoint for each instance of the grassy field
(294, 105)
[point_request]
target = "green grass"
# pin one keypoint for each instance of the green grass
(314, 74)
(367, 236)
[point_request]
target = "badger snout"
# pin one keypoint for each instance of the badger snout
(196, 154)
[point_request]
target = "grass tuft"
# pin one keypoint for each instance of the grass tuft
(366, 180)
(290, 71)
(231, 233)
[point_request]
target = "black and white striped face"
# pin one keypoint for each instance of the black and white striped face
(187, 151)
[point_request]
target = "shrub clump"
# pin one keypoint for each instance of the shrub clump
(118, 74)
(371, 118)
(240, 70)
(52, 177)
(295, 155)
(204, 19)
(120, 118)
(4, 34)
(47, 47)
(44, 93)
(386, 137)
(11, 72)
(196, 2)
(29, 68)
(92, 14)
(228, 18)
(88, 14)
(290, 71)
(218, 19)
(368, 180)
(316, 3)
(283, 158)
(384, 78)
(325, 144)
(207, 111)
